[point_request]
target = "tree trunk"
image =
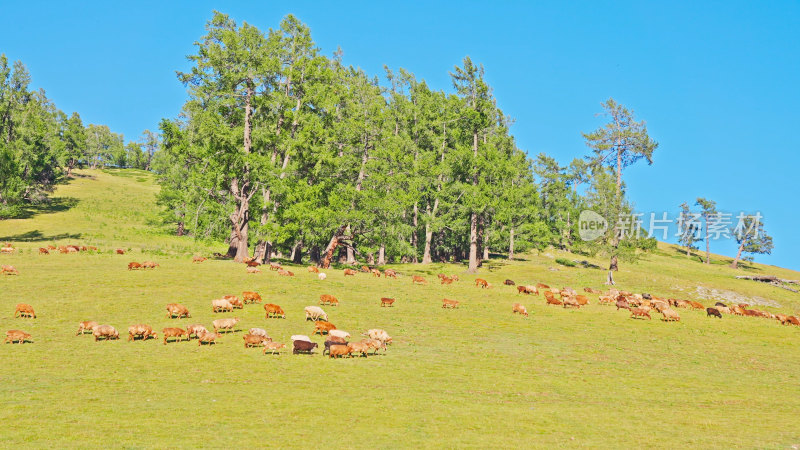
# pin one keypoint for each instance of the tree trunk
(613, 265)
(414, 234)
(426, 255)
(297, 252)
(473, 243)
(314, 254)
(240, 219)
(511, 244)
(735, 263)
(334, 242)
(382, 255)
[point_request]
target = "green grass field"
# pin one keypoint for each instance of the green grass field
(477, 376)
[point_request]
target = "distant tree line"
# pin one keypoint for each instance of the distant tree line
(40, 144)
(281, 150)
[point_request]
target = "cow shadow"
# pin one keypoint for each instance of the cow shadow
(51, 206)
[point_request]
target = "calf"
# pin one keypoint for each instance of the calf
(713, 312)
(106, 332)
(24, 310)
(141, 330)
(670, 315)
(303, 347)
(208, 338)
(273, 347)
(640, 312)
(387, 301)
(416, 279)
(551, 299)
(349, 272)
(251, 297)
(333, 340)
(516, 308)
(221, 305)
(481, 282)
(197, 330)
(176, 333)
(509, 282)
(327, 299)
(225, 324)
(253, 340)
(134, 266)
(43, 251)
(273, 310)
(449, 303)
(177, 310)
(323, 327)
(17, 336)
(83, 327)
(337, 350)
(120, 251)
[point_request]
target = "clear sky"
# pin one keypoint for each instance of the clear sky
(717, 82)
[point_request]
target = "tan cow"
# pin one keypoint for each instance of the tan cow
(24, 310)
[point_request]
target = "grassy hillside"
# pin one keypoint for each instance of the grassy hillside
(476, 376)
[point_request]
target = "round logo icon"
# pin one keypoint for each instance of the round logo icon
(591, 225)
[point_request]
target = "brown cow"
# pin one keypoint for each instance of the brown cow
(43, 251)
(253, 263)
(134, 265)
(349, 272)
(416, 279)
(251, 297)
(509, 282)
(542, 286)
(321, 327)
(273, 347)
(387, 301)
(141, 330)
(9, 270)
(86, 326)
(481, 282)
(713, 312)
(313, 269)
(389, 273)
(338, 350)
(516, 308)
(106, 332)
(253, 340)
(582, 300)
(176, 333)
(17, 336)
(326, 299)
(208, 338)
(640, 312)
(176, 309)
(365, 269)
(695, 305)
(793, 320)
(274, 310)
(551, 299)
(198, 259)
(24, 310)
(449, 303)
(120, 251)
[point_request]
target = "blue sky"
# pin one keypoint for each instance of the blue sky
(717, 82)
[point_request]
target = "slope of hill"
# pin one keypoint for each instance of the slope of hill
(474, 376)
